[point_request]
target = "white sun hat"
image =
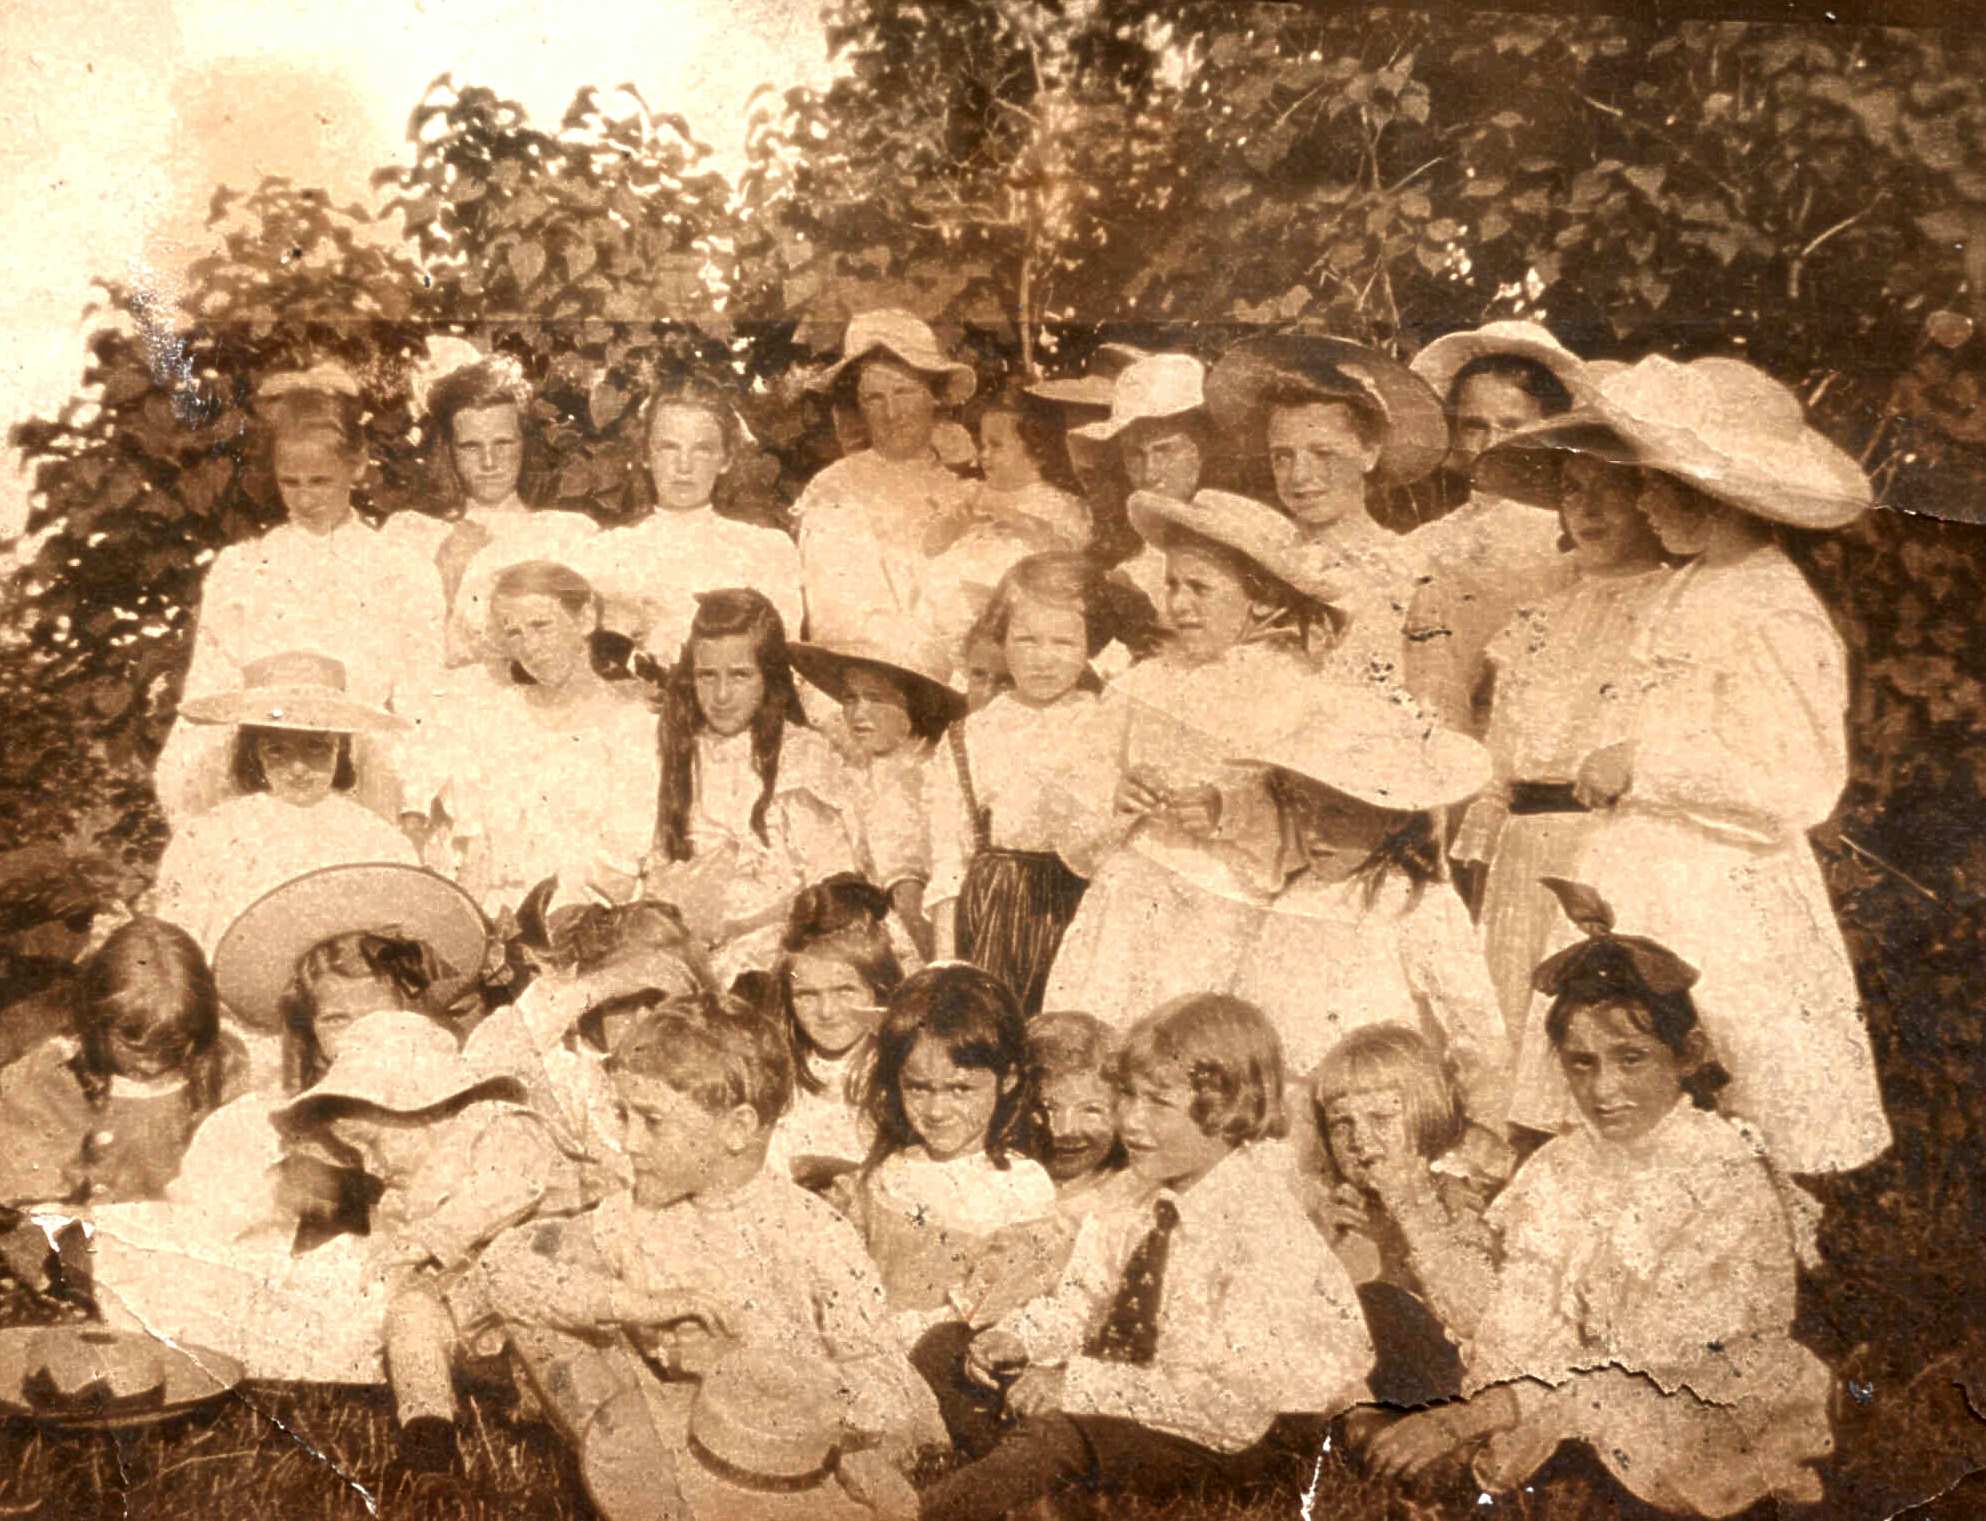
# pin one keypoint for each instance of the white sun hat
(905, 337)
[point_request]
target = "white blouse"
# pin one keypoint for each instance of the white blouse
(868, 526)
(650, 573)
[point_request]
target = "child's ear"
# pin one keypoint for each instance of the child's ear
(739, 1128)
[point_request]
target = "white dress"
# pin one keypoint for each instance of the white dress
(649, 573)
(1325, 962)
(1740, 749)
(1166, 913)
(218, 864)
(1562, 692)
(1630, 1274)
(823, 1129)
(1373, 576)
(868, 526)
(361, 597)
(572, 797)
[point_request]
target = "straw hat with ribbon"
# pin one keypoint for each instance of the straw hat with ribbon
(1098, 387)
(257, 957)
(1246, 376)
(1445, 358)
(1258, 533)
(1380, 751)
(1720, 425)
(297, 690)
(919, 663)
(908, 339)
(401, 1062)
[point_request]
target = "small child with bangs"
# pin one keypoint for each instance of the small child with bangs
(1181, 1331)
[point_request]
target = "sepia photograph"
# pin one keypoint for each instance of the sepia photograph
(901, 760)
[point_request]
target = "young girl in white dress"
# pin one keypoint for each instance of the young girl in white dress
(1738, 748)
(1561, 691)
(292, 762)
(1191, 846)
(1009, 789)
(748, 814)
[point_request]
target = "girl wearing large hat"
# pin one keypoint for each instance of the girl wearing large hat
(869, 522)
(292, 758)
(321, 579)
(1487, 556)
(1738, 747)
(1188, 854)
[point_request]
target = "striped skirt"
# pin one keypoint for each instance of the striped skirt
(1011, 915)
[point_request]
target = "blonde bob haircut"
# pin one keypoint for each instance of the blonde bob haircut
(1229, 1055)
(1393, 1057)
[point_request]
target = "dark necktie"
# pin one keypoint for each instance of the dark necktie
(1130, 1329)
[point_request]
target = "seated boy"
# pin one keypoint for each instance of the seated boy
(710, 1250)
(1180, 1330)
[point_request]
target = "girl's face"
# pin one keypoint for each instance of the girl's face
(1365, 1130)
(1623, 1078)
(340, 1002)
(877, 711)
(985, 669)
(300, 765)
(898, 408)
(1079, 1111)
(949, 1106)
(1319, 461)
(1003, 456)
(1164, 456)
(315, 478)
(139, 1048)
(1327, 823)
(1683, 520)
(1488, 409)
(539, 634)
(1164, 1142)
(730, 687)
(833, 1005)
(1598, 505)
(1206, 604)
(488, 452)
(392, 1147)
(686, 455)
(1047, 650)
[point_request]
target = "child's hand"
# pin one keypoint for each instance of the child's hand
(1196, 810)
(1345, 1210)
(994, 1357)
(1141, 790)
(1038, 1391)
(1402, 1184)
(1605, 775)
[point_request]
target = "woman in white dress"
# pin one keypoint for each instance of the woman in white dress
(323, 580)
(869, 523)
(293, 765)
(1179, 873)
(650, 572)
(1561, 691)
(1737, 749)
(552, 769)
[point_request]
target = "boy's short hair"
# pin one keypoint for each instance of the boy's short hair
(1065, 1043)
(1396, 1057)
(1230, 1055)
(720, 1057)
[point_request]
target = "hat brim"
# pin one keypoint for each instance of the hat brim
(828, 669)
(1442, 360)
(1255, 531)
(957, 382)
(193, 1377)
(256, 960)
(442, 1089)
(1416, 425)
(316, 710)
(1387, 765)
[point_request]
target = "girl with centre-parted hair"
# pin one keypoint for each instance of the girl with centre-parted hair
(747, 813)
(293, 763)
(1189, 849)
(1640, 1326)
(322, 580)
(650, 571)
(551, 768)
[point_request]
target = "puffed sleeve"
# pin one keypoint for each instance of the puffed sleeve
(1444, 963)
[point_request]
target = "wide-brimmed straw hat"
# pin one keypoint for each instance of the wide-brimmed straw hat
(1721, 425)
(256, 960)
(398, 1061)
(1416, 426)
(1098, 385)
(299, 690)
(1380, 750)
(1157, 386)
(1445, 358)
(906, 338)
(1253, 530)
(918, 663)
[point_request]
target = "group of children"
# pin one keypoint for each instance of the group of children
(1084, 1029)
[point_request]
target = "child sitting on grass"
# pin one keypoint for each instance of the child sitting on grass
(710, 1250)
(459, 1160)
(1180, 1332)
